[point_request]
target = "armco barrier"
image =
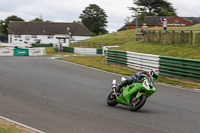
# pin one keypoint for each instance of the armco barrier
(91, 51)
(116, 56)
(142, 61)
(99, 51)
(133, 60)
(169, 66)
(21, 52)
(37, 51)
(6, 52)
(180, 67)
(68, 49)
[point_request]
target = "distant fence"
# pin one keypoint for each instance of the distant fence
(41, 45)
(169, 66)
(91, 44)
(14, 45)
(173, 36)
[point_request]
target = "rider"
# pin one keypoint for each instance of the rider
(151, 76)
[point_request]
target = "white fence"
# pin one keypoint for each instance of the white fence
(15, 44)
(31, 51)
(6, 51)
(133, 60)
(37, 51)
(91, 51)
(142, 61)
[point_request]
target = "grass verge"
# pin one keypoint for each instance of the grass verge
(50, 52)
(8, 127)
(174, 50)
(99, 63)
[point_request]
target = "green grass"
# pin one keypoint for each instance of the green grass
(118, 37)
(8, 127)
(194, 27)
(9, 130)
(174, 50)
(128, 36)
(181, 51)
(50, 51)
(99, 63)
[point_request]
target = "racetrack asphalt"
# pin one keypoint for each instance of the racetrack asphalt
(60, 97)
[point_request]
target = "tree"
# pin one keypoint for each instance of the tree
(165, 12)
(1, 26)
(127, 20)
(154, 7)
(76, 21)
(37, 20)
(95, 19)
(6, 23)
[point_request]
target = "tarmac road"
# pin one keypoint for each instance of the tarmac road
(60, 97)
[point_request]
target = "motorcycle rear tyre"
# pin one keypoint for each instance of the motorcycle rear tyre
(111, 101)
(138, 105)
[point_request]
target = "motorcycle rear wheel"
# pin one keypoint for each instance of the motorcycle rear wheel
(111, 99)
(135, 106)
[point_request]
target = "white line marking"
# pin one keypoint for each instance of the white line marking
(22, 125)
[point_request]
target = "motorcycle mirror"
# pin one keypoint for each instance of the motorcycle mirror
(114, 82)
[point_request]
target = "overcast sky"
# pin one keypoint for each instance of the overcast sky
(70, 10)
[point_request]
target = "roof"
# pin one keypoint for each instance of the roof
(193, 20)
(122, 28)
(150, 20)
(47, 28)
(155, 20)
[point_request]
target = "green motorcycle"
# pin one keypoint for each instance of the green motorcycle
(134, 95)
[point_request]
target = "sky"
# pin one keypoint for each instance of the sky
(70, 10)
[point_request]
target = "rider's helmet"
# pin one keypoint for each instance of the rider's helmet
(153, 73)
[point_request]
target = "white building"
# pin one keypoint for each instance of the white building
(23, 33)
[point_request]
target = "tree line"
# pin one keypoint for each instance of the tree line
(95, 18)
(144, 8)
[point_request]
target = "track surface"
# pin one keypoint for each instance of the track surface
(60, 97)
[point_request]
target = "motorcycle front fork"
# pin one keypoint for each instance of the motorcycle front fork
(114, 90)
(135, 98)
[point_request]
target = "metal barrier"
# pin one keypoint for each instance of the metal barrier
(169, 66)
(6, 51)
(91, 51)
(133, 60)
(180, 67)
(22, 51)
(116, 56)
(142, 61)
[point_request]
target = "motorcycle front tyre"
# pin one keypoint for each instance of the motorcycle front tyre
(111, 99)
(138, 105)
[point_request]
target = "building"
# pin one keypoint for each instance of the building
(20, 32)
(154, 21)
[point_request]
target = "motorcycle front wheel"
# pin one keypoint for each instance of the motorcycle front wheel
(136, 105)
(111, 99)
